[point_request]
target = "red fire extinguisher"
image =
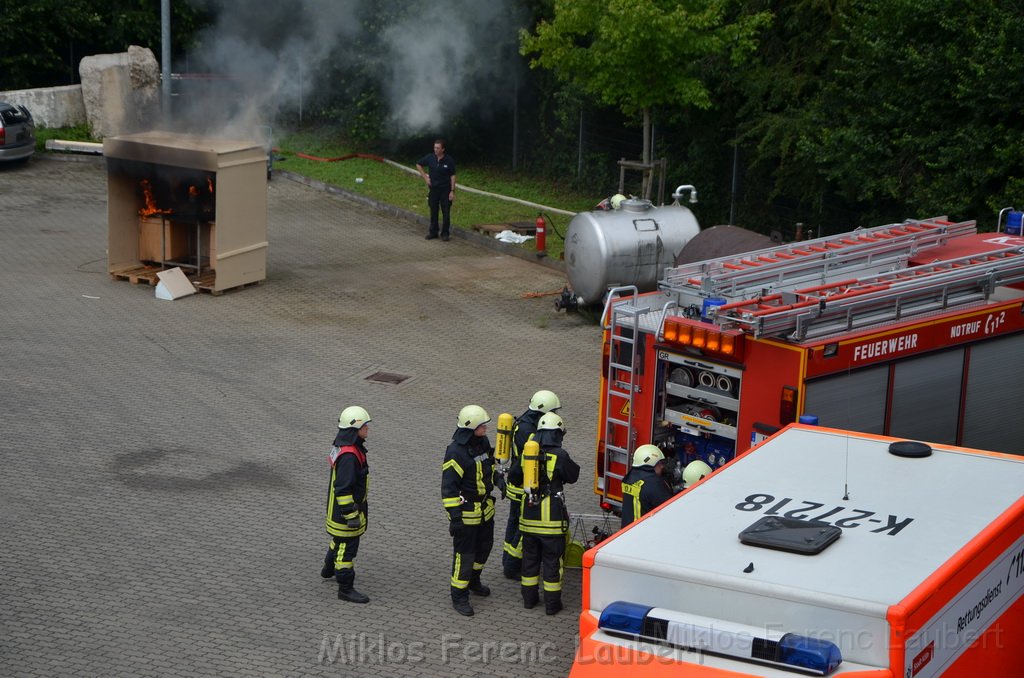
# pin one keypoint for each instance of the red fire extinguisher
(541, 233)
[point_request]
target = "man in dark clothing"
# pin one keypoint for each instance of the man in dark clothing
(544, 520)
(512, 555)
(346, 501)
(467, 479)
(644, 487)
(438, 171)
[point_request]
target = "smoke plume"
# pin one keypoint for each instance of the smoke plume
(436, 59)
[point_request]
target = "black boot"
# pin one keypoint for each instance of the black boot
(477, 587)
(553, 602)
(530, 597)
(346, 579)
(327, 571)
(460, 601)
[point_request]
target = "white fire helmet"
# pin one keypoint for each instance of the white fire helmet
(353, 417)
(472, 416)
(694, 471)
(544, 401)
(647, 455)
(551, 422)
(616, 201)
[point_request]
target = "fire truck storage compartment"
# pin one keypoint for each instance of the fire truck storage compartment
(699, 408)
(963, 396)
(199, 203)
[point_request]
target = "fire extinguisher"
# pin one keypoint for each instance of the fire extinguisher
(541, 233)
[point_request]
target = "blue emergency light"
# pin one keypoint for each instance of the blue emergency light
(690, 632)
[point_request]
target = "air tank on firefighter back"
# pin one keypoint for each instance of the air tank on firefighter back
(631, 245)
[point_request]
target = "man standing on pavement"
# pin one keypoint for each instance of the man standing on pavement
(438, 171)
(544, 520)
(512, 555)
(346, 501)
(467, 479)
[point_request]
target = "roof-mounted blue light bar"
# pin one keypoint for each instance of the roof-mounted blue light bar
(692, 632)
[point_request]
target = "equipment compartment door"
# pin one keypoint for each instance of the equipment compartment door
(697, 407)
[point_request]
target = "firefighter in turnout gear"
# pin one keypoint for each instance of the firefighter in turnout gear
(541, 403)
(467, 480)
(346, 501)
(543, 519)
(644, 487)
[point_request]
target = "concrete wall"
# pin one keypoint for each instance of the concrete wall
(51, 106)
(119, 93)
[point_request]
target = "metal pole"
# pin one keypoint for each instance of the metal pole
(515, 117)
(165, 59)
(732, 197)
(579, 154)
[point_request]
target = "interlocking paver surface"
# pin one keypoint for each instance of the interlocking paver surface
(164, 462)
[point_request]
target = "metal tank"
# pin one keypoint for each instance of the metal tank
(631, 245)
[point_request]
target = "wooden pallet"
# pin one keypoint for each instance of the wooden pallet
(138, 274)
(207, 282)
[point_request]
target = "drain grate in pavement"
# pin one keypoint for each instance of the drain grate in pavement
(387, 377)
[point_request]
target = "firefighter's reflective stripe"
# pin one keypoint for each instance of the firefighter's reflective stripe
(554, 585)
(451, 502)
(530, 581)
(633, 490)
(456, 568)
(340, 561)
(480, 459)
(476, 512)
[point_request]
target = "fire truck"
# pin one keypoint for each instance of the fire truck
(914, 330)
(820, 552)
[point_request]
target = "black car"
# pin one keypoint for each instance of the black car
(17, 132)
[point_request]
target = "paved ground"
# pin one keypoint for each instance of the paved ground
(163, 463)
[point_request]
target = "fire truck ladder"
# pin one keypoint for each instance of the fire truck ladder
(845, 305)
(626, 317)
(819, 261)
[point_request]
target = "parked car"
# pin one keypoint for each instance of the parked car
(17, 132)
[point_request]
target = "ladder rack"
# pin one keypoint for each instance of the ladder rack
(864, 251)
(885, 297)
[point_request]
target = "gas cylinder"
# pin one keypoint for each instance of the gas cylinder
(541, 233)
(531, 466)
(503, 440)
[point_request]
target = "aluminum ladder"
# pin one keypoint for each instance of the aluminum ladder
(623, 326)
(819, 261)
(887, 297)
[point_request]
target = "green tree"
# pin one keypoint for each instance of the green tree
(636, 55)
(43, 40)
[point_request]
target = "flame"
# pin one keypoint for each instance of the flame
(193, 191)
(147, 195)
(209, 183)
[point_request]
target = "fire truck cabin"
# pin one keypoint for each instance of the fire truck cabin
(913, 330)
(818, 552)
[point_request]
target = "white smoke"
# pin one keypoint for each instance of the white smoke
(447, 55)
(440, 57)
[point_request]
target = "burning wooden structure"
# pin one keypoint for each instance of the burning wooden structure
(198, 203)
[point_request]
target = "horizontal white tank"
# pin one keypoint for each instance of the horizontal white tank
(629, 246)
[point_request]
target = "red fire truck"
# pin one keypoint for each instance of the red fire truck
(913, 330)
